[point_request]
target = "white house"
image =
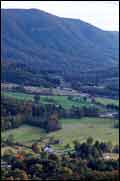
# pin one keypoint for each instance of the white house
(48, 149)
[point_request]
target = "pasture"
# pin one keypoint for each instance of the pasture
(72, 129)
(61, 100)
(106, 101)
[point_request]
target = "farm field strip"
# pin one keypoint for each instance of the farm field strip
(106, 101)
(72, 129)
(62, 100)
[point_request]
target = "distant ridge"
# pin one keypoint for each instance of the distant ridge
(44, 41)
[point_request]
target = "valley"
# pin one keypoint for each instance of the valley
(59, 98)
(72, 128)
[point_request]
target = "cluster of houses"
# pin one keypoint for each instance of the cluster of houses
(5, 165)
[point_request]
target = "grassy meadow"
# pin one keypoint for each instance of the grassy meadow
(106, 101)
(72, 129)
(61, 100)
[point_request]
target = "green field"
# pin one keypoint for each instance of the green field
(25, 133)
(61, 100)
(72, 129)
(81, 129)
(17, 95)
(106, 101)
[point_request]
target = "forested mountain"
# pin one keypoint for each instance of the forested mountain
(34, 41)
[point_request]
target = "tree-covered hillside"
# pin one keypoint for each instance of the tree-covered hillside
(39, 41)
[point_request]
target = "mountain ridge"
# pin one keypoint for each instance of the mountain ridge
(41, 40)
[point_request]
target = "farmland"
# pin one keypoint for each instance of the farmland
(101, 129)
(72, 129)
(106, 101)
(19, 136)
(61, 100)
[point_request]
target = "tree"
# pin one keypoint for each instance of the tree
(76, 145)
(36, 169)
(8, 154)
(116, 123)
(20, 88)
(116, 149)
(90, 140)
(36, 98)
(10, 139)
(85, 98)
(96, 153)
(109, 146)
(67, 146)
(20, 175)
(36, 148)
(97, 144)
(53, 122)
(106, 147)
(18, 120)
(51, 139)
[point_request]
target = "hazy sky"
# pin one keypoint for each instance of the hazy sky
(103, 14)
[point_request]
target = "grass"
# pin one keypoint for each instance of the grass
(81, 129)
(106, 101)
(18, 95)
(61, 100)
(72, 129)
(66, 103)
(25, 133)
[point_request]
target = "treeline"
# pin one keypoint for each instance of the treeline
(16, 112)
(79, 112)
(21, 74)
(103, 91)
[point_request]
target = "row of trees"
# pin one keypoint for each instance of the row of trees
(16, 112)
(92, 150)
